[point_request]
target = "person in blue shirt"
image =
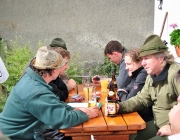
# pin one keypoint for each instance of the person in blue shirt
(115, 52)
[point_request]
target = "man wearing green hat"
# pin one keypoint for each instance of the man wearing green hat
(70, 83)
(160, 91)
(59, 42)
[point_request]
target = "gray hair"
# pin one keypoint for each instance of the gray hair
(168, 58)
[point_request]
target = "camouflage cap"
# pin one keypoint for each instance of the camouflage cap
(152, 45)
(47, 58)
(58, 42)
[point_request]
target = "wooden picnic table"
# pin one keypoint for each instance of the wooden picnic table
(103, 127)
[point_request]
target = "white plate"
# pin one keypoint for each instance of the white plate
(83, 105)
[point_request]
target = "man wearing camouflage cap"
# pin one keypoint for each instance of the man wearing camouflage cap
(32, 107)
(70, 83)
(160, 91)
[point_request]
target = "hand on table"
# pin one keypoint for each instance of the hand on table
(92, 112)
(164, 131)
(96, 79)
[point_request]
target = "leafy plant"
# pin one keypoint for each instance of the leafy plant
(101, 68)
(75, 68)
(175, 35)
(108, 67)
(16, 59)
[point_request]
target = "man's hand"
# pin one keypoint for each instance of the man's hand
(164, 131)
(71, 84)
(92, 112)
(96, 79)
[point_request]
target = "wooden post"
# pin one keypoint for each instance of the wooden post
(0, 89)
(163, 24)
(2, 55)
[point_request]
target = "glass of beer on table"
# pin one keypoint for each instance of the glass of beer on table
(89, 90)
(104, 84)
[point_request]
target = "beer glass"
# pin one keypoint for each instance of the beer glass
(104, 84)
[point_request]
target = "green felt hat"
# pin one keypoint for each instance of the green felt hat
(152, 45)
(58, 42)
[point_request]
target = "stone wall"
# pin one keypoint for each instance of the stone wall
(86, 25)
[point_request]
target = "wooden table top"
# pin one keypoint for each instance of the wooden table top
(121, 124)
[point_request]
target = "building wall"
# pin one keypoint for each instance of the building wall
(173, 10)
(86, 25)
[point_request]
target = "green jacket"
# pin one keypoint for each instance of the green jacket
(32, 107)
(160, 92)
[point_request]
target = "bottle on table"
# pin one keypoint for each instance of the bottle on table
(111, 101)
(113, 81)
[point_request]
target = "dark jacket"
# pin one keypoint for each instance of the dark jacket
(137, 83)
(59, 89)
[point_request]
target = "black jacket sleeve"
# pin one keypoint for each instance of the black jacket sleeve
(59, 89)
(134, 87)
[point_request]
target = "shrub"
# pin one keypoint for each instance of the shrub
(107, 68)
(75, 68)
(101, 68)
(16, 58)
